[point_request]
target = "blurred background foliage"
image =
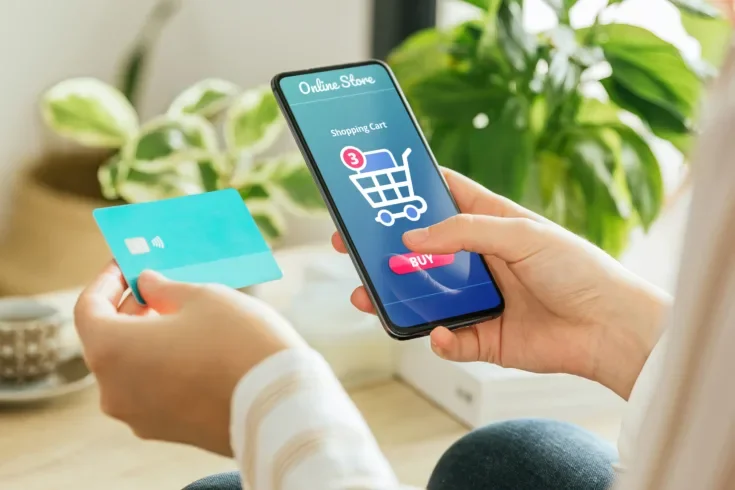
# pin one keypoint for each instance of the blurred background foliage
(561, 121)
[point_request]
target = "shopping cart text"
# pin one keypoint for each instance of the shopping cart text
(359, 129)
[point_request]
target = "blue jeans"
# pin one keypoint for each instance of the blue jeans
(528, 454)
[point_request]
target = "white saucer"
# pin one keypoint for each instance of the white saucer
(70, 376)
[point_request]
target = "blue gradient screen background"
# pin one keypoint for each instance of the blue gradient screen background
(413, 299)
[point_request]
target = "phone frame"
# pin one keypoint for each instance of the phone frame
(395, 331)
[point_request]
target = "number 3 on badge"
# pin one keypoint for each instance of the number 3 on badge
(353, 158)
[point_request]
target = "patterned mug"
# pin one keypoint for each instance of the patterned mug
(29, 339)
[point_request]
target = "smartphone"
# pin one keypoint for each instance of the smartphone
(379, 179)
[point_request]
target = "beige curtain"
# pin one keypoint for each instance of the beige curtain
(688, 439)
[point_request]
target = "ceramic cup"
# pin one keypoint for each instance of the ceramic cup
(29, 339)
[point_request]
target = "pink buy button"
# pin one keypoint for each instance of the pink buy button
(414, 262)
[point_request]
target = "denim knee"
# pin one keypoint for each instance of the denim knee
(527, 454)
(221, 481)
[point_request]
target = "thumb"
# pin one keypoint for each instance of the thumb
(162, 294)
(510, 239)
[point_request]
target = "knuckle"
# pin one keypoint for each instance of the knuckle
(194, 291)
(460, 222)
(465, 220)
(526, 226)
(210, 289)
(212, 294)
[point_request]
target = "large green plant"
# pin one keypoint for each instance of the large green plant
(518, 112)
(180, 152)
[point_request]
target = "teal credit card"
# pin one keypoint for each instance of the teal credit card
(204, 238)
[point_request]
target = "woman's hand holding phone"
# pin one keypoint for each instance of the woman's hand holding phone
(570, 307)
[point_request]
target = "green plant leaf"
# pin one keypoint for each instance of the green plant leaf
(209, 175)
(651, 88)
(607, 230)
(561, 8)
(90, 112)
(593, 162)
(109, 175)
(551, 173)
(651, 68)
(476, 52)
(713, 36)
(572, 204)
(478, 3)
(518, 45)
(642, 174)
(254, 121)
(700, 8)
(681, 141)
(292, 180)
(268, 217)
(489, 36)
(421, 55)
(135, 65)
(664, 123)
(453, 96)
(166, 141)
(595, 112)
(500, 154)
(449, 143)
(253, 191)
(205, 98)
(562, 80)
(140, 186)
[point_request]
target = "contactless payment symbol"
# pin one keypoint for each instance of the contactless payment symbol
(385, 185)
(139, 245)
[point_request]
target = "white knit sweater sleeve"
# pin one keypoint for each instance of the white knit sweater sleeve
(294, 427)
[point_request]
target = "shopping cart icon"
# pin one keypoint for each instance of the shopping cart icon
(385, 184)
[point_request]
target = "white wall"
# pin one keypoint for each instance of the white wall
(246, 41)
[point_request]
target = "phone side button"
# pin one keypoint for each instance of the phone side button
(414, 262)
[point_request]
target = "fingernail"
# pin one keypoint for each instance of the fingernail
(438, 350)
(418, 235)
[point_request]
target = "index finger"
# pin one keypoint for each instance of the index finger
(102, 296)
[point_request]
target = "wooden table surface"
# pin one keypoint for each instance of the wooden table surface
(69, 444)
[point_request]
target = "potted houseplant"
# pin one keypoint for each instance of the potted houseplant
(212, 136)
(561, 121)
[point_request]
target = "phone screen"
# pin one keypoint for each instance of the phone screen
(382, 181)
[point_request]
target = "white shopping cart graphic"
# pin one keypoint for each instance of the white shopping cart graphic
(384, 183)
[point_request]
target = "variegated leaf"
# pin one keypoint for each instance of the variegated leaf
(253, 122)
(90, 112)
(205, 98)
